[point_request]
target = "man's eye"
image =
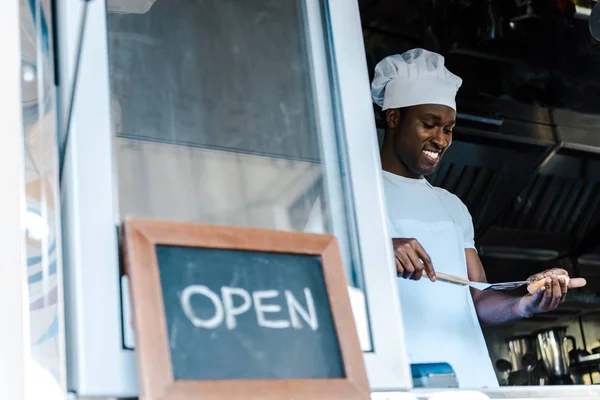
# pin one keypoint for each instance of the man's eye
(427, 126)
(449, 131)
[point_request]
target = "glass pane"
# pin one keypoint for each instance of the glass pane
(216, 118)
(42, 191)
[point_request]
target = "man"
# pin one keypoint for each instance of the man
(431, 229)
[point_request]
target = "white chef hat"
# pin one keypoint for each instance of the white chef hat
(415, 77)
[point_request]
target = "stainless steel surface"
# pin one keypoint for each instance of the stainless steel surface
(518, 347)
(592, 360)
(551, 345)
(456, 280)
(498, 286)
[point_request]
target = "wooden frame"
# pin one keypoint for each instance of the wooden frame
(155, 373)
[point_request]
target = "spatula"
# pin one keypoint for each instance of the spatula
(479, 285)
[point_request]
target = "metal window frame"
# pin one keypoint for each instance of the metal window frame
(387, 366)
(97, 363)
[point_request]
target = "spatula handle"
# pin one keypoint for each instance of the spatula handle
(451, 278)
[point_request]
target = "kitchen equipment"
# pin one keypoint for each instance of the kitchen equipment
(518, 348)
(478, 285)
(587, 364)
(433, 375)
(504, 367)
(531, 362)
(524, 363)
(576, 354)
(551, 344)
(582, 363)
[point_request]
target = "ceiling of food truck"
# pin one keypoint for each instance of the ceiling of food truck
(543, 56)
(526, 156)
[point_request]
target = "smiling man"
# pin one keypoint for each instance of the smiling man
(432, 230)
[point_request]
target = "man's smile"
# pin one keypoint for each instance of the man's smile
(432, 156)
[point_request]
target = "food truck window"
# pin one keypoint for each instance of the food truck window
(250, 114)
(219, 120)
(225, 120)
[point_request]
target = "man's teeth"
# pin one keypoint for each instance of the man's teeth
(431, 154)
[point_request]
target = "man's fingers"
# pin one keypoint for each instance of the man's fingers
(427, 264)
(399, 268)
(556, 293)
(419, 267)
(563, 289)
(412, 259)
(545, 302)
(537, 297)
(408, 272)
(407, 268)
(575, 283)
(418, 274)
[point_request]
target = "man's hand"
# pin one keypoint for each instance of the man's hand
(497, 308)
(548, 297)
(412, 260)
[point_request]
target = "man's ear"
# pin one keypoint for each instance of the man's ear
(392, 118)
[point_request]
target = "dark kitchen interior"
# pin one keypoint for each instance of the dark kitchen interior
(526, 152)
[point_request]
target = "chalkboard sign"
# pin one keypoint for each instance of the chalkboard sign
(240, 313)
(267, 311)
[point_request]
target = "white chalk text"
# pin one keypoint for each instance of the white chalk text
(265, 302)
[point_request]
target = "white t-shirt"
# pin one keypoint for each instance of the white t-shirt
(440, 320)
(415, 199)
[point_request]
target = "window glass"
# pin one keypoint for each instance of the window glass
(217, 118)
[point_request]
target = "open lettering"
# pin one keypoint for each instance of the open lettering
(236, 301)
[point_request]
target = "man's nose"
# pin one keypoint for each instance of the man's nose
(440, 138)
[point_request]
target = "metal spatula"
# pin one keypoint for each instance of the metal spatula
(479, 285)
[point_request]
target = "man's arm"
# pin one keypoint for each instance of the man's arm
(495, 308)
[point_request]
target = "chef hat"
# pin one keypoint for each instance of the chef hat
(415, 77)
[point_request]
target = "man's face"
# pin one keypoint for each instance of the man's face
(422, 134)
